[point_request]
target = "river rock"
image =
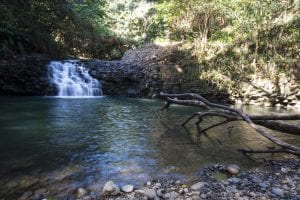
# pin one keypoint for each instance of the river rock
(195, 197)
(158, 185)
(199, 185)
(80, 193)
(173, 195)
(127, 188)
(110, 188)
(233, 169)
(278, 192)
(180, 191)
(159, 192)
(151, 194)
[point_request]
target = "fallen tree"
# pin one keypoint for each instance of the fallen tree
(231, 114)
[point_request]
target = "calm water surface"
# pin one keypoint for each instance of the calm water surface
(61, 144)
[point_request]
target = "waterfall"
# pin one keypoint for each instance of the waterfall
(72, 79)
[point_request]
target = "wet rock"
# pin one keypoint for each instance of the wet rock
(167, 195)
(87, 198)
(233, 169)
(174, 195)
(80, 193)
(110, 188)
(199, 185)
(151, 194)
(159, 192)
(148, 183)
(186, 190)
(195, 197)
(180, 191)
(234, 180)
(263, 185)
(278, 192)
(252, 194)
(127, 188)
(158, 185)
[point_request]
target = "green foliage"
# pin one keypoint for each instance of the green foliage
(106, 29)
(57, 27)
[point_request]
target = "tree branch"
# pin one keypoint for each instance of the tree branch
(204, 103)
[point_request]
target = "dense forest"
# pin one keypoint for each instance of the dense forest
(105, 29)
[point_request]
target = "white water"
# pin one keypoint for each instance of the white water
(73, 80)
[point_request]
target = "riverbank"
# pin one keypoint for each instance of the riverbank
(272, 180)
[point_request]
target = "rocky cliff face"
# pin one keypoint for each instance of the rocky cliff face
(283, 91)
(147, 71)
(25, 76)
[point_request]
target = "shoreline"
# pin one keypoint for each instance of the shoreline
(271, 180)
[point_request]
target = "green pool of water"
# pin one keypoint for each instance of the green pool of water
(61, 144)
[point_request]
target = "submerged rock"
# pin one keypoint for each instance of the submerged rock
(110, 188)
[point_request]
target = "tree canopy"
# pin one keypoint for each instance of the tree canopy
(105, 29)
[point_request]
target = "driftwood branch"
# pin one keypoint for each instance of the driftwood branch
(279, 126)
(231, 114)
(275, 117)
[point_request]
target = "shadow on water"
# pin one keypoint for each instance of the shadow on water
(61, 144)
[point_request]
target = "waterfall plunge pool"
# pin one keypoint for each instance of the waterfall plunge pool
(62, 144)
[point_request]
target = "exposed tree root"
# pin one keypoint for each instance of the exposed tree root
(231, 114)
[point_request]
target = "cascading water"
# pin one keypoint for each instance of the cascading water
(72, 79)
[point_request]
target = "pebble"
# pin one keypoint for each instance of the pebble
(127, 188)
(158, 185)
(180, 191)
(150, 194)
(233, 169)
(167, 196)
(110, 188)
(199, 185)
(234, 180)
(159, 192)
(252, 194)
(196, 197)
(80, 193)
(278, 191)
(174, 195)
